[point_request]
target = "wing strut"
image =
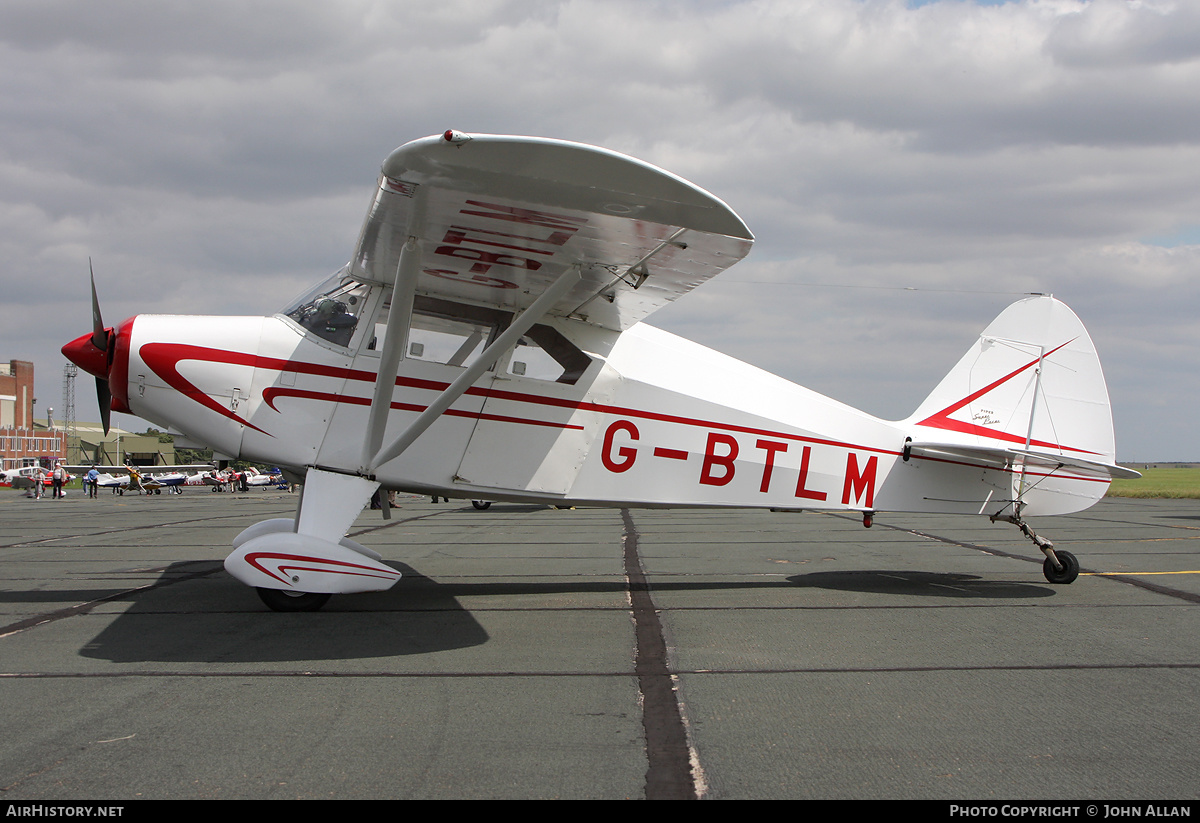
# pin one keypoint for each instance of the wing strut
(507, 339)
(395, 339)
(636, 273)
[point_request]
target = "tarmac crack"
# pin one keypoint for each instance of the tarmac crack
(669, 775)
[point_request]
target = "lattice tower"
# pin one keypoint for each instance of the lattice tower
(68, 413)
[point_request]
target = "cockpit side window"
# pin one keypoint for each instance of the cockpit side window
(332, 311)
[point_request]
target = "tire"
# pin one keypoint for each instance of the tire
(1069, 571)
(281, 601)
(481, 504)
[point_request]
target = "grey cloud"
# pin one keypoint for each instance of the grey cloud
(907, 172)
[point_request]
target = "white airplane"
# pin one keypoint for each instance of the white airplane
(149, 478)
(144, 483)
(231, 479)
(171, 481)
(254, 477)
(485, 342)
(217, 480)
(117, 482)
(23, 477)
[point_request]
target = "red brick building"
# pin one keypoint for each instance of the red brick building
(21, 441)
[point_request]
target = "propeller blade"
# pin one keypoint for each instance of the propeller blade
(99, 336)
(100, 341)
(104, 397)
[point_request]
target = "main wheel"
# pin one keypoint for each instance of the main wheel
(281, 601)
(1069, 571)
(481, 504)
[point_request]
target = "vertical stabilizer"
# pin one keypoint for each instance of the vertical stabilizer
(1028, 401)
(1031, 382)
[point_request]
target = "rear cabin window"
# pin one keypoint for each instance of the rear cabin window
(455, 334)
(543, 353)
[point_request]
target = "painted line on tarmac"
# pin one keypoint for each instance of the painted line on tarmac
(1189, 597)
(1131, 574)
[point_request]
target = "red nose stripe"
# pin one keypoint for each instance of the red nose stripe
(118, 373)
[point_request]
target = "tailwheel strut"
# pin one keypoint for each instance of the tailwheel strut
(1060, 566)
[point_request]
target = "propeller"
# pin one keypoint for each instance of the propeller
(101, 340)
(94, 354)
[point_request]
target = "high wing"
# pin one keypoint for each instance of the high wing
(144, 470)
(498, 219)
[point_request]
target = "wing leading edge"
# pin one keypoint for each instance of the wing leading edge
(498, 219)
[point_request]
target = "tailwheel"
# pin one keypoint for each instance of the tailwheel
(481, 504)
(1060, 566)
(281, 601)
(1066, 574)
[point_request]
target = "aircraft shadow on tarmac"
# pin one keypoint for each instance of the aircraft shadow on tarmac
(215, 619)
(211, 618)
(924, 584)
(503, 508)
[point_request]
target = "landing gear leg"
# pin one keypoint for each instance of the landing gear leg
(1061, 566)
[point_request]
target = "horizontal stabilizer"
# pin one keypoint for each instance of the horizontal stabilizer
(1033, 461)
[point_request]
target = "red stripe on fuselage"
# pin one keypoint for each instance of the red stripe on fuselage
(269, 395)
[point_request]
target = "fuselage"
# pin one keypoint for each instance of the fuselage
(639, 418)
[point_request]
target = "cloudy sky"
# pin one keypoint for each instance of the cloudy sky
(908, 168)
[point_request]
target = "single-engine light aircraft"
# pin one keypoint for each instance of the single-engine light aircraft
(146, 479)
(23, 477)
(486, 342)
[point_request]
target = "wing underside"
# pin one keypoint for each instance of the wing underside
(498, 219)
